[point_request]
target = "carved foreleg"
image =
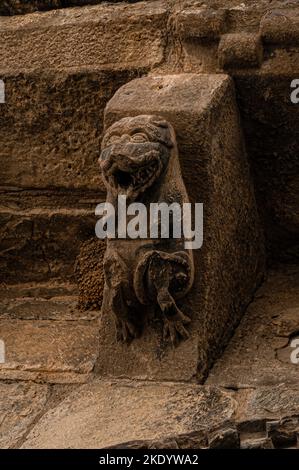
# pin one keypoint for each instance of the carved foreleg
(117, 275)
(167, 276)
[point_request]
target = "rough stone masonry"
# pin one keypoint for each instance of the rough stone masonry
(200, 65)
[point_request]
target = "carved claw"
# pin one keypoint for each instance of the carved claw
(126, 331)
(174, 330)
(174, 319)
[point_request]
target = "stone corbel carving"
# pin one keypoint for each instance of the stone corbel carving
(139, 159)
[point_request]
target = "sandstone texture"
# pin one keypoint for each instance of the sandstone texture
(42, 243)
(60, 69)
(259, 353)
(223, 413)
(18, 7)
(97, 37)
(111, 413)
(20, 405)
(65, 381)
(53, 351)
(241, 50)
(203, 113)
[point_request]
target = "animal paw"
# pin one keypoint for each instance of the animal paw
(175, 330)
(126, 331)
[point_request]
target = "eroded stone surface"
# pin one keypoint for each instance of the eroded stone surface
(18, 7)
(111, 413)
(43, 302)
(137, 40)
(262, 443)
(253, 355)
(51, 126)
(20, 405)
(201, 23)
(169, 415)
(240, 50)
(90, 275)
(52, 351)
(281, 27)
(202, 110)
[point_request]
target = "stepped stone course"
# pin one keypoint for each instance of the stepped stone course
(220, 72)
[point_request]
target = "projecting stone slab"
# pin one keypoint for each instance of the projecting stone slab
(103, 414)
(20, 405)
(97, 36)
(203, 111)
(52, 351)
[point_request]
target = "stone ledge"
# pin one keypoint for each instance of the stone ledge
(168, 415)
(148, 411)
(122, 37)
(21, 7)
(41, 244)
(201, 23)
(55, 352)
(43, 302)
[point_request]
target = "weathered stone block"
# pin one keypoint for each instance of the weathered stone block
(43, 244)
(280, 27)
(240, 51)
(42, 231)
(20, 406)
(260, 443)
(50, 127)
(20, 7)
(52, 351)
(274, 319)
(104, 414)
(201, 23)
(284, 433)
(51, 122)
(203, 112)
(45, 301)
(98, 36)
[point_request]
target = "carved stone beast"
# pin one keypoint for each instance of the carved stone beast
(139, 159)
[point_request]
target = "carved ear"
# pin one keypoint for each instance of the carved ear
(160, 122)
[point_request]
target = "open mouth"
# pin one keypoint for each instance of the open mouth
(128, 180)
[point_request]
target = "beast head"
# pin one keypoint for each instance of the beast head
(135, 154)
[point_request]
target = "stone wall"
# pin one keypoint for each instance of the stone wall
(19, 7)
(60, 69)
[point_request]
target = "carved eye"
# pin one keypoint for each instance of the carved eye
(113, 139)
(139, 138)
